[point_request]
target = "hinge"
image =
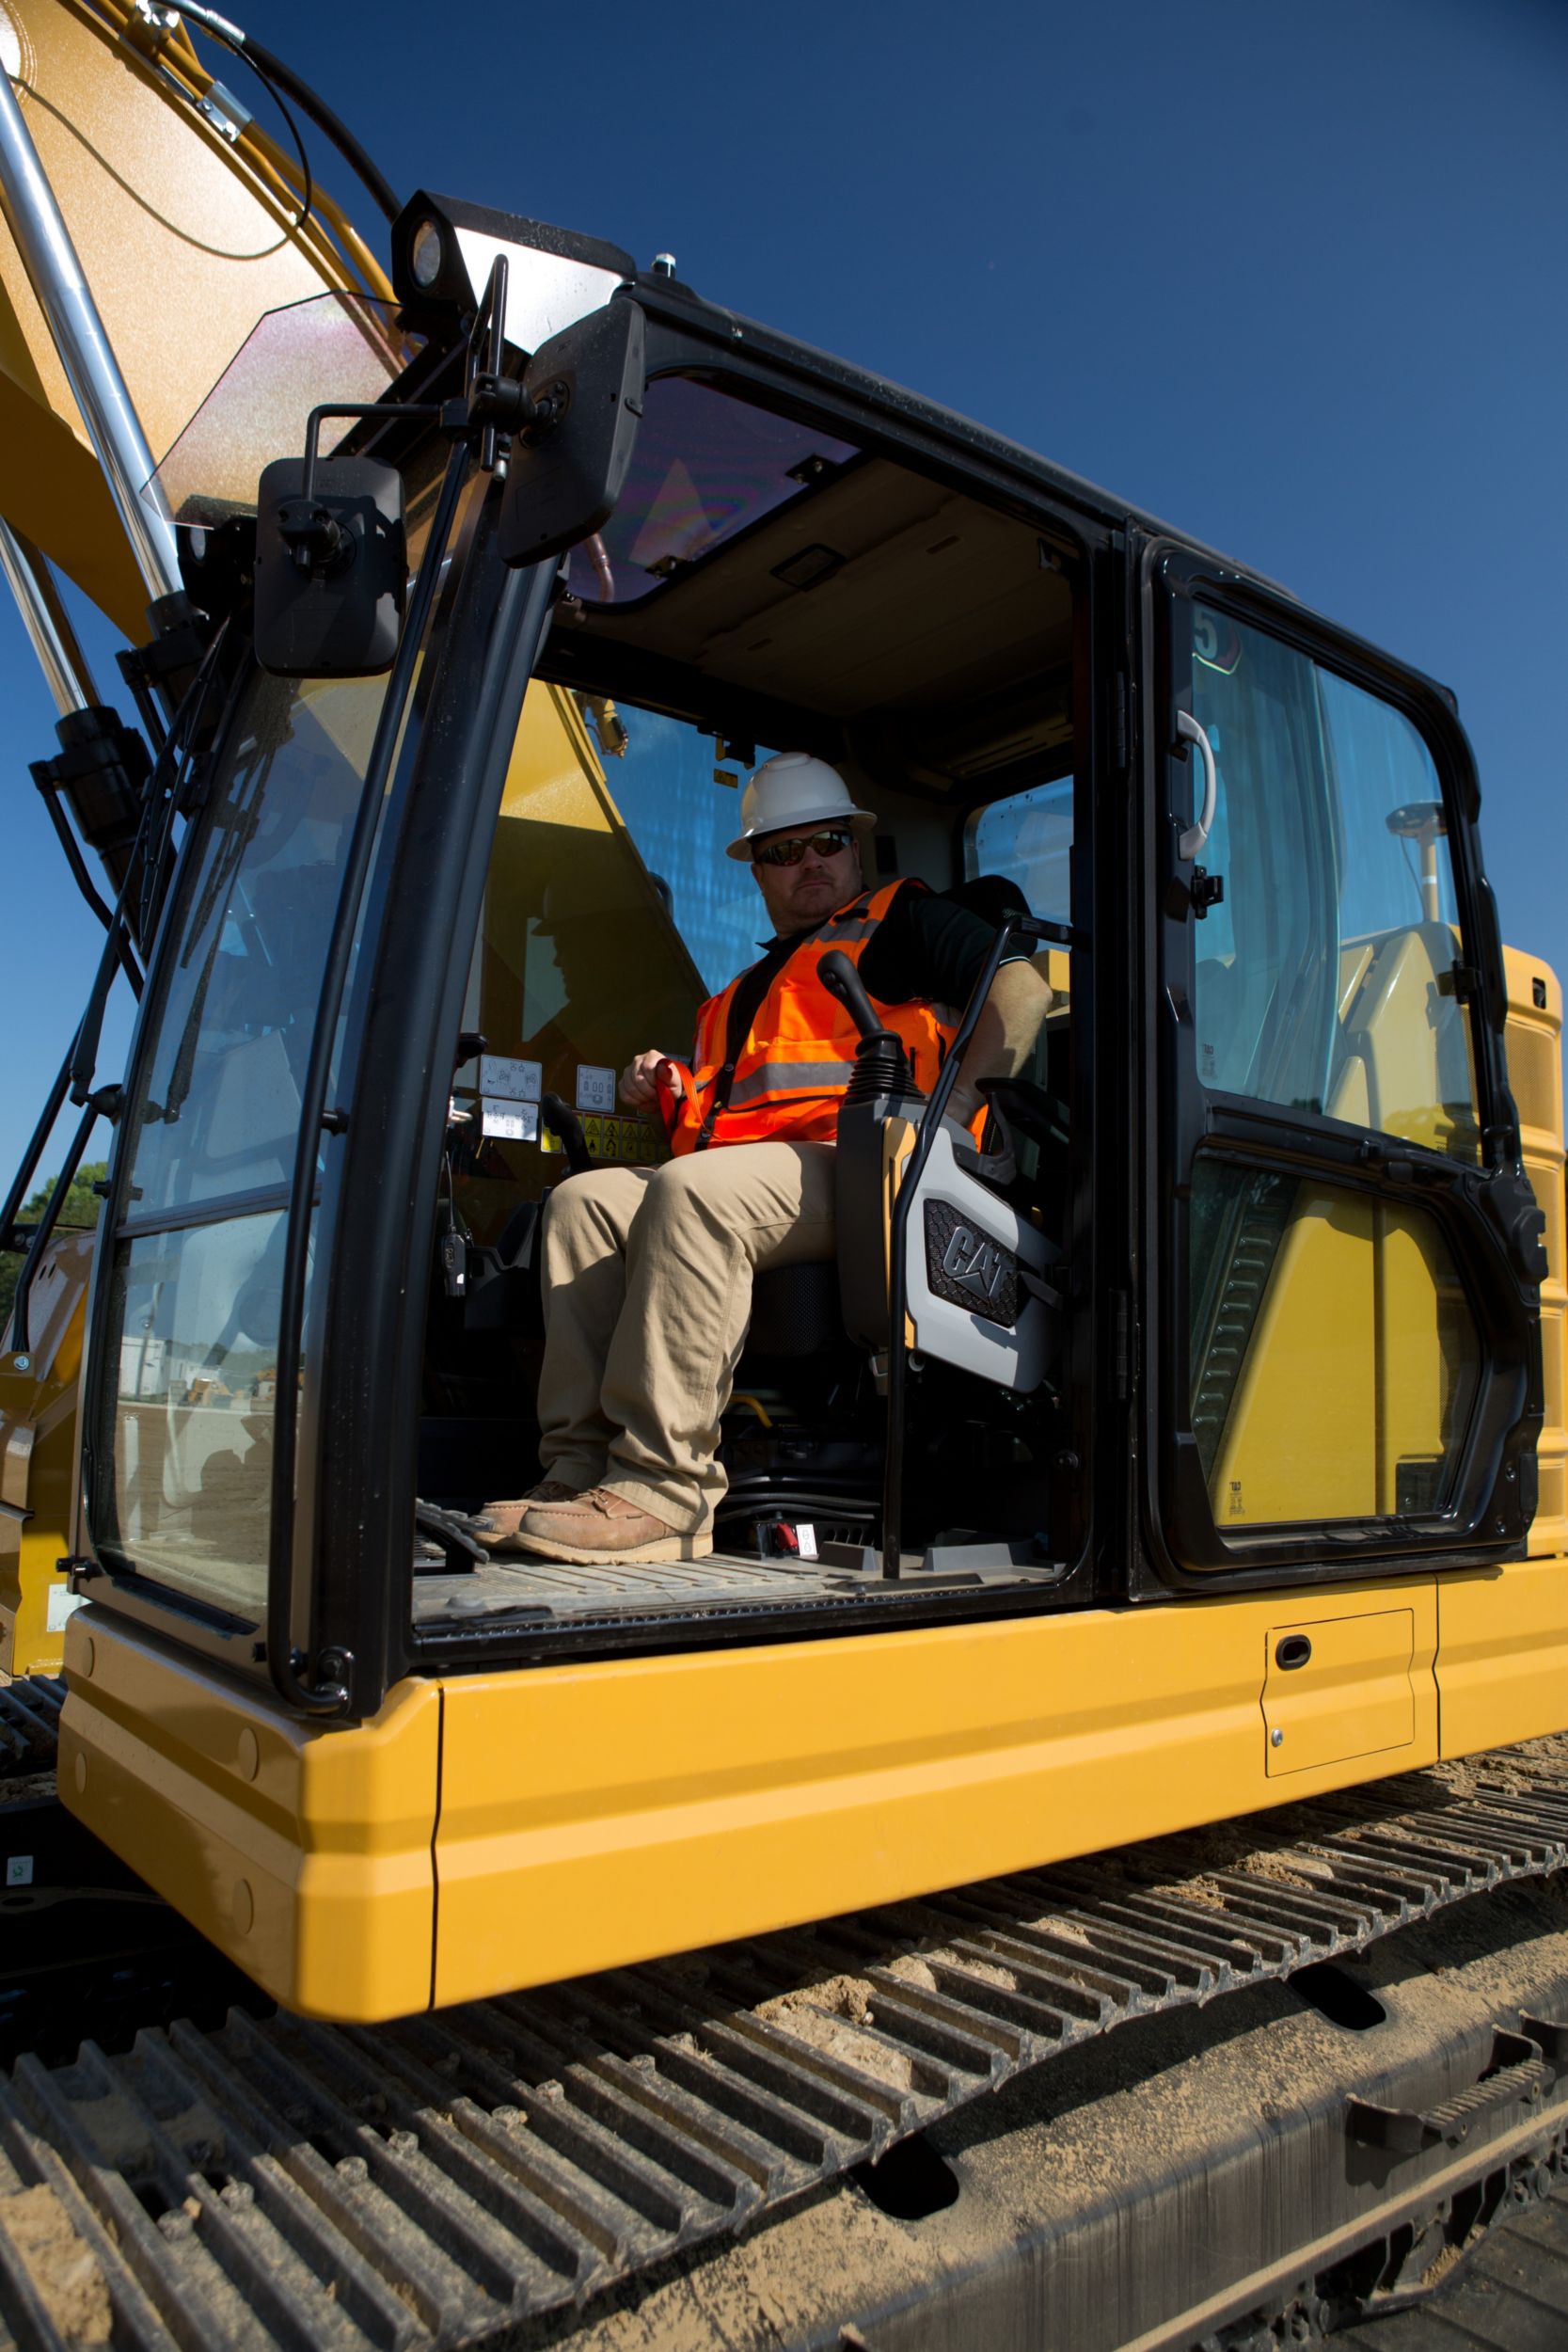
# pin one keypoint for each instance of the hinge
(1121, 1350)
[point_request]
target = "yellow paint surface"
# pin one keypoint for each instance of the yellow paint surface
(1354, 1696)
(184, 243)
(38, 1462)
(1502, 1660)
(577, 1817)
(303, 1852)
(596, 1815)
(1534, 1043)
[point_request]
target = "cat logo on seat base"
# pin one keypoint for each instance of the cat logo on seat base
(969, 1269)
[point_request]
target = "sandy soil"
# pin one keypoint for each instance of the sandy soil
(62, 2268)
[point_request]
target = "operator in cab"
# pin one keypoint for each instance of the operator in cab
(647, 1272)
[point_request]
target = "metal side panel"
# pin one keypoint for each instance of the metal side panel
(303, 1854)
(1502, 1658)
(603, 1814)
(1534, 1042)
(38, 1461)
(456, 2180)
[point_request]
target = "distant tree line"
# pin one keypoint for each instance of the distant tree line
(79, 1208)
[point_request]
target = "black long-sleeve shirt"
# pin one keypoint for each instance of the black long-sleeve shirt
(924, 945)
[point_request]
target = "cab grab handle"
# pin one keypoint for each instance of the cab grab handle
(1196, 836)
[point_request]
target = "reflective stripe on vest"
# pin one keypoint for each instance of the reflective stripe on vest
(791, 1077)
(799, 1054)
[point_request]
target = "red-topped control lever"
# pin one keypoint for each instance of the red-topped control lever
(672, 1085)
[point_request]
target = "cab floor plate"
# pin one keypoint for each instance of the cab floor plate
(439, 2181)
(564, 1589)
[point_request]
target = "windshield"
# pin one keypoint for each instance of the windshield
(182, 1485)
(211, 1126)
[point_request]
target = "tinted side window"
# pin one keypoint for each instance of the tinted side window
(1327, 981)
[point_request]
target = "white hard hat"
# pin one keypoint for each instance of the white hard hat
(790, 790)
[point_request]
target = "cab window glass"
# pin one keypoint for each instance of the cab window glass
(194, 1316)
(706, 467)
(1327, 976)
(1333, 1355)
(217, 1107)
(1028, 838)
(611, 910)
(678, 794)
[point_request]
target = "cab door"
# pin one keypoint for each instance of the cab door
(1340, 1254)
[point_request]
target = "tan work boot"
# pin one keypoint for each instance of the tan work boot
(602, 1528)
(502, 1520)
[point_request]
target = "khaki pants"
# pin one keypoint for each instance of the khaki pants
(647, 1279)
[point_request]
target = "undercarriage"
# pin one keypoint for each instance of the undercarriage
(1234, 2088)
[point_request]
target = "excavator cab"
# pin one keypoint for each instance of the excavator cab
(1239, 1313)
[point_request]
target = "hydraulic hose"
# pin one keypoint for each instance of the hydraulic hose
(272, 69)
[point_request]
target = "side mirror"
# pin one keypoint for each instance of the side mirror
(569, 466)
(331, 567)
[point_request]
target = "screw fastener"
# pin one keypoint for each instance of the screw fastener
(1276, 1738)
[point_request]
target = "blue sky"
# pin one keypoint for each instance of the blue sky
(1288, 276)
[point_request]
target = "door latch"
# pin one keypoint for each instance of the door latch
(1206, 889)
(454, 1264)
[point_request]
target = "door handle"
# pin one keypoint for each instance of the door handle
(1196, 836)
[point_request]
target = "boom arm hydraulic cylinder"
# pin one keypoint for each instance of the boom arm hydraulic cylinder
(36, 222)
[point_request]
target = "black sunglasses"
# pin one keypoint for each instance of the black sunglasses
(791, 852)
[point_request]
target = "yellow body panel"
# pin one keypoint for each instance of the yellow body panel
(595, 1815)
(1355, 1695)
(577, 1817)
(37, 1463)
(1502, 1667)
(1534, 1043)
(303, 1854)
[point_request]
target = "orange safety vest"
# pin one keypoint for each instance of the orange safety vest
(798, 1054)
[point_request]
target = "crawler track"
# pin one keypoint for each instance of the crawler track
(438, 2181)
(29, 1725)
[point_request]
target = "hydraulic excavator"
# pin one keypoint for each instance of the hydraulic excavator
(1083, 1863)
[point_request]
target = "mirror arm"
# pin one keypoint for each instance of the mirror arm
(495, 404)
(315, 537)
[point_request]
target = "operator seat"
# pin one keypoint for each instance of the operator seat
(796, 1310)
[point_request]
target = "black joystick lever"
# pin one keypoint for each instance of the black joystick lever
(840, 979)
(567, 1129)
(881, 1065)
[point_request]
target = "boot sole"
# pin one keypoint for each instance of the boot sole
(669, 1548)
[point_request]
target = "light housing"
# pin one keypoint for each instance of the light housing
(443, 250)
